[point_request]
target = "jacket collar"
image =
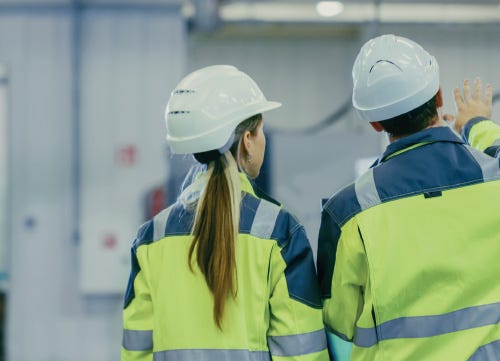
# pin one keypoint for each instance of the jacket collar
(246, 184)
(426, 136)
(249, 186)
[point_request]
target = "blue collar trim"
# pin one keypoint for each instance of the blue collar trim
(430, 135)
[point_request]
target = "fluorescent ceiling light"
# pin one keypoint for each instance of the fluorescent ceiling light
(283, 12)
(329, 8)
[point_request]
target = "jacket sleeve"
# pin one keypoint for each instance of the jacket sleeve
(296, 331)
(481, 133)
(137, 342)
(343, 275)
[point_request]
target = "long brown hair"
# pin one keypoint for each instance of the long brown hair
(216, 223)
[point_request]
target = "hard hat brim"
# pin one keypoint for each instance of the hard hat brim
(217, 137)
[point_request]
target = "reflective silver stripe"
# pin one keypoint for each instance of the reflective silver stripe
(428, 326)
(366, 191)
(137, 340)
(496, 143)
(265, 219)
(487, 352)
(211, 355)
(296, 345)
(489, 166)
(159, 224)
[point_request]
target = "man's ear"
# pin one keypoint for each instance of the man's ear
(377, 126)
(439, 99)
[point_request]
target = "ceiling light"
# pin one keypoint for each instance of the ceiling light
(329, 8)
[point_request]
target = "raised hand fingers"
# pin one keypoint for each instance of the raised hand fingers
(477, 93)
(488, 95)
(458, 97)
(466, 89)
(478, 89)
(470, 107)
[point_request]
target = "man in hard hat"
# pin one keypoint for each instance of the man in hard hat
(408, 253)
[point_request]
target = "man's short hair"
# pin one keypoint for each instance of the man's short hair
(413, 121)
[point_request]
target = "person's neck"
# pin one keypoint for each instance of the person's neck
(438, 123)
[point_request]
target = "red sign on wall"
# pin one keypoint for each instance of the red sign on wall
(109, 241)
(126, 155)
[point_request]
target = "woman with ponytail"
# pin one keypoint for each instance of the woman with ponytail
(225, 273)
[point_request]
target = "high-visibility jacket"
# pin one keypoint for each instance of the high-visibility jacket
(408, 254)
(276, 314)
(483, 134)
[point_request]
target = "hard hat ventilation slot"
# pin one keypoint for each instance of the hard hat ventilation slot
(385, 61)
(175, 112)
(184, 91)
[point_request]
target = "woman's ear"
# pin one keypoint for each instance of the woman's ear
(246, 141)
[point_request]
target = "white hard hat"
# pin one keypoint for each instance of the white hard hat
(207, 105)
(392, 75)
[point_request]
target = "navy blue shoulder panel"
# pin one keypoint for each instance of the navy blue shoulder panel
(432, 167)
(180, 221)
(249, 205)
(300, 272)
(144, 236)
(429, 168)
(343, 205)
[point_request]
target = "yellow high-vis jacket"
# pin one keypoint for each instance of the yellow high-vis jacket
(481, 133)
(276, 314)
(408, 254)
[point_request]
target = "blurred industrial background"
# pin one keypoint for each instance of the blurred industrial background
(83, 161)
